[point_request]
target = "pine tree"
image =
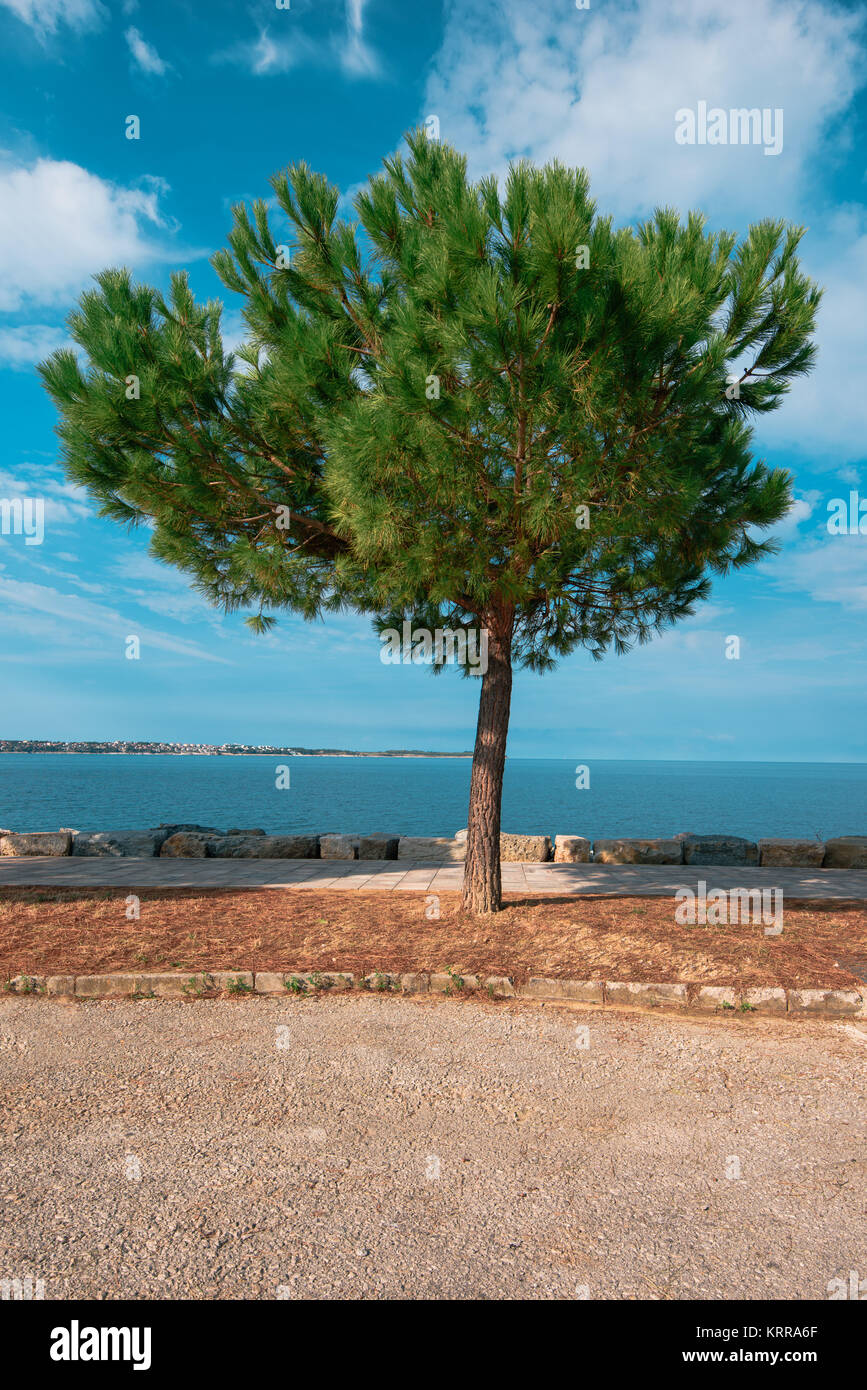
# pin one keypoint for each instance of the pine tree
(473, 408)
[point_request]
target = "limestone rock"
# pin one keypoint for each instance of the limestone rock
(806, 854)
(42, 842)
(524, 849)
(846, 852)
(184, 844)
(263, 847)
(286, 847)
(378, 846)
(338, 846)
(571, 849)
(718, 849)
(430, 849)
(637, 851)
(135, 844)
(231, 846)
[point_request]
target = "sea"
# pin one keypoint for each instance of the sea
(428, 796)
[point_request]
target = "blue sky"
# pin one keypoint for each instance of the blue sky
(227, 94)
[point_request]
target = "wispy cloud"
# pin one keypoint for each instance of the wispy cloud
(356, 55)
(823, 415)
(26, 344)
(66, 504)
(45, 16)
(832, 570)
(271, 53)
(265, 56)
(77, 612)
(144, 54)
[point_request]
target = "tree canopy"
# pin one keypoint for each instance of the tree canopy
(466, 398)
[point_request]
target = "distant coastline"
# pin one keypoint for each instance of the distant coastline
(222, 750)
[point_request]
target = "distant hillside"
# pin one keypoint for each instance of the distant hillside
(38, 745)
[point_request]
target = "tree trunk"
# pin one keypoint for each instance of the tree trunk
(482, 886)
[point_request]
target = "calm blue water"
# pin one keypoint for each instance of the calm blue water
(429, 797)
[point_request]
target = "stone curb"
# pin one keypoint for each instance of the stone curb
(176, 841)
(705, 999)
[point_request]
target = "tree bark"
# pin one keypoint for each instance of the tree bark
(482, 883)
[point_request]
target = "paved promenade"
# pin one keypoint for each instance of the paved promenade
(410, 876)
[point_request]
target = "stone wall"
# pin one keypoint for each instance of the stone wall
(185, 841)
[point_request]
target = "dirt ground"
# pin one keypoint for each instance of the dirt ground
(75, 931)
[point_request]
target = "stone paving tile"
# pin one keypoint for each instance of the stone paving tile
(416, 881)
(322, 884)
(385, 883)
(416, 876)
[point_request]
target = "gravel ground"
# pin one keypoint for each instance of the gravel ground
(364, 1147)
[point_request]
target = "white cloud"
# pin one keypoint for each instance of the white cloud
(44, 16)
(801, 510)
(600, 88)
(168, 591)
(59, 224)
(823, 414)
(269, 54)
(66, 504)
(68, 578)
(144, 53)
(345, 204)
(77, 612)
(356, 55)
(834, 571)
(234, 331)
(21, 347)
(265, 56)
